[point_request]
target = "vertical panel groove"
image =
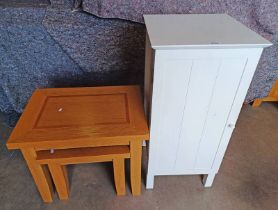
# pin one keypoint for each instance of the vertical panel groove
(223, 97)
(209, 106)
(183, 113)
(204, 74)
(169, 109)
(229, 113)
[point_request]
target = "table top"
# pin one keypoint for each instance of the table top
(80, 117)
(200, 31)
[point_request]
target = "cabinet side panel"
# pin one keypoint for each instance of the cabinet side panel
(201, 86)
(225, 89)
(149, 63)
(170, 87)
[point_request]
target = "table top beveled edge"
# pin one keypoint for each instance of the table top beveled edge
(40, 95)
(78, 143)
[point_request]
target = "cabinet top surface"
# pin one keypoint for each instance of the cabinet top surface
(200, 31)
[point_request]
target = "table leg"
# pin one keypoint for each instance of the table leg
(119, 175)
(257, 102)
(135, 166)
(60, 178)
(40, 174)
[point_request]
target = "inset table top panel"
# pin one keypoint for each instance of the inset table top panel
(200, 31)
(77, 114)
(83, 110)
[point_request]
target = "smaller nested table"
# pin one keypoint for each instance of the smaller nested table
(63, 118)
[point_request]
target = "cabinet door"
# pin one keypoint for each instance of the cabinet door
(171, 79)
(211, 91)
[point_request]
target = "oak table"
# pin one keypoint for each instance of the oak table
(62, 118)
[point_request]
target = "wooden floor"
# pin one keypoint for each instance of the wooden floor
(247, 179)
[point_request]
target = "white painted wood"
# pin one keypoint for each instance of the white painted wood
(200, 31)
(253, 59)
(223, 95)
(150, 181)
(204, 73)
(169, 125)
(149, 58)
(208, 54)
(149, 62)
(194, 97)
(208, 179)
(182, 172)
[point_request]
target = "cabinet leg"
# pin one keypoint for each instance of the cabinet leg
(208, 179)
(150, 181)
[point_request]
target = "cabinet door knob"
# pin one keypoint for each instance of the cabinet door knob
(231, 125)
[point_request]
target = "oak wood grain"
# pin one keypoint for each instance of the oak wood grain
(60, 179)
(40, 174)
(65, 119)
(119, 175)
(57, 159)
(272, 96)
(80, 116)
(135, 167)
(83, 155)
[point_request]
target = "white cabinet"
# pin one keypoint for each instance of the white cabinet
(197, 72)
